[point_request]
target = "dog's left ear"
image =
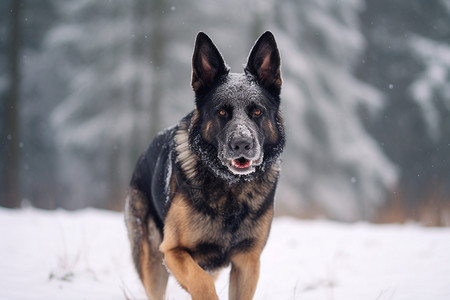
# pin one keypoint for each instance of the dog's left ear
(207, 65)
(264, 63)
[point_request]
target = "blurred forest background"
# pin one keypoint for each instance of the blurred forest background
(85, 85)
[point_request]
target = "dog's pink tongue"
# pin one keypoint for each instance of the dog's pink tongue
(241, 163)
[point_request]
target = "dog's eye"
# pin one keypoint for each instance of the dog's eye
(257, 112)
(222, 113)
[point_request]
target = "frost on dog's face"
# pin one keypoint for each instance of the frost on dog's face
(240, 129)
(240, 110)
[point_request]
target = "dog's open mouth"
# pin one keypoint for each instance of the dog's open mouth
(242, 165)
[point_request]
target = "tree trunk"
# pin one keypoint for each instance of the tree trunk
(11, 194)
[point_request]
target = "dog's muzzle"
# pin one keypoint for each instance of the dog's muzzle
(243, 152)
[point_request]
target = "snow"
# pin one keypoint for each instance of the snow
(85, 255)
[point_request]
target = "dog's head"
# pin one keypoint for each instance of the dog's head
(237, 126)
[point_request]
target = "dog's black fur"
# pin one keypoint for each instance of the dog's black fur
(201, 196)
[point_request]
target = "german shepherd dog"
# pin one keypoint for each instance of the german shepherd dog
(202, 195)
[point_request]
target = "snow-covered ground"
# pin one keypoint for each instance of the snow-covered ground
(85, 255)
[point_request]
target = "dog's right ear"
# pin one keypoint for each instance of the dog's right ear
(207, 65)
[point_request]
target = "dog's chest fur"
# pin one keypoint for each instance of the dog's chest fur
(212, 218)
(220, 222)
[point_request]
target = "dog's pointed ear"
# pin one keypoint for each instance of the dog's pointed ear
(264, 63)
(207, 64)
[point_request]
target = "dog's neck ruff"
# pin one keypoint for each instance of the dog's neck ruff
(184, 155)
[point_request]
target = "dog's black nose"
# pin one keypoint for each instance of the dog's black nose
(241, 145)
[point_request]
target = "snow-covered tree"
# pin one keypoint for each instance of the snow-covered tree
(103, 53)
(408, 59)
(125, 69)
(332, 163)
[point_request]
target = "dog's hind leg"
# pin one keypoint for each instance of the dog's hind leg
(145, 239)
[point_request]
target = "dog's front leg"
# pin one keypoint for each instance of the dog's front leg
(189, 274)
(244, 275)
(181, 234)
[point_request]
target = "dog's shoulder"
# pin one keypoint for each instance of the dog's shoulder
(154, 170)
(158, 149)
